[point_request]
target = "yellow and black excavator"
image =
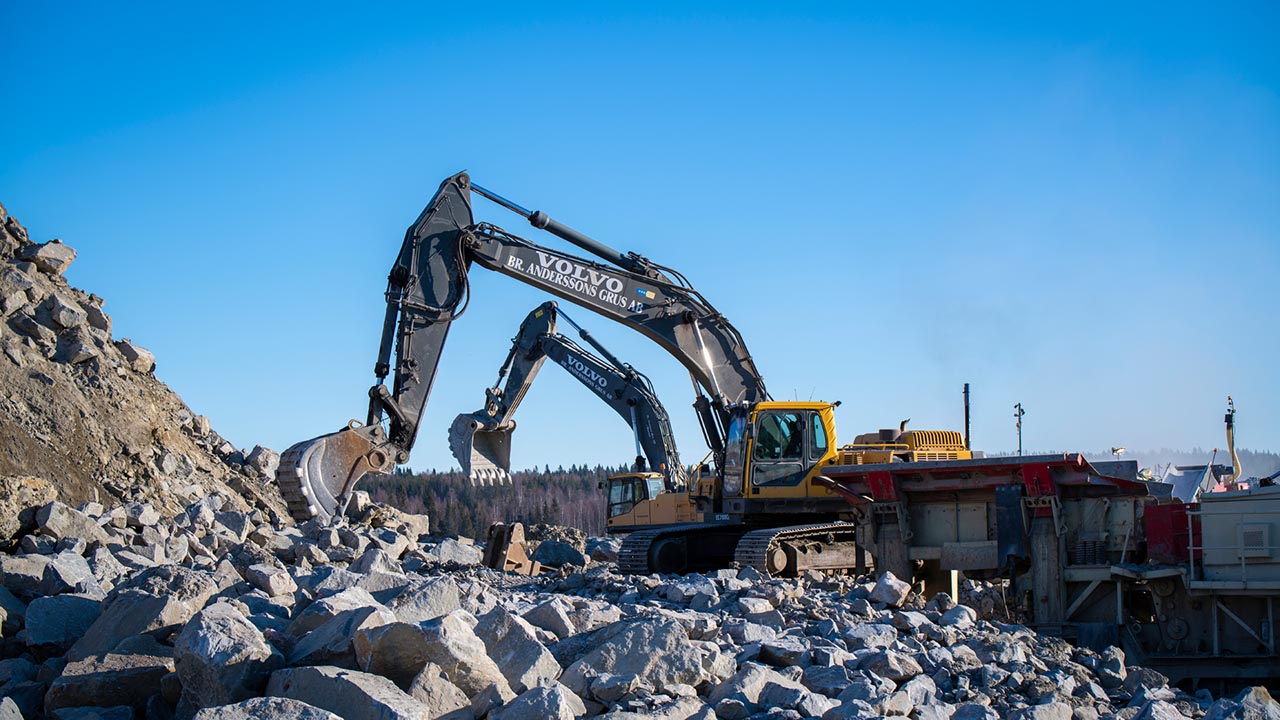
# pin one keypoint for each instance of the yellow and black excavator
(766, 503)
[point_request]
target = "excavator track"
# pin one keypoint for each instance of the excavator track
(764, 549)
(667, 549)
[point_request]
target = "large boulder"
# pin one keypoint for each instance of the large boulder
(513, 644)
(548, 702)
(350, 694)
(427, 600)
(68, 571)
(555, 615)
(870, 635)
(128, 675)
(58, 521)
(889, 664)
(270, 579)
(135, 611)
(52, 257)
(451, 643)
(331, 643)
(397, 651)
(222, 658)
(553, 553)
(23, 574)
(443, 699)
(890, 590)
(749, 682)
(325, 609)
(657, 651)
(55, 623)
(266, 708)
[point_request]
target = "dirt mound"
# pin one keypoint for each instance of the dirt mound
(85, 411)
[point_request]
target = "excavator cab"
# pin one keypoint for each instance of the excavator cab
(640, 500)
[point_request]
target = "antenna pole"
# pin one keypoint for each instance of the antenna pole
(1018, 412)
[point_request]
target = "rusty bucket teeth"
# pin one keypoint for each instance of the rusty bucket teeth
(484, 455)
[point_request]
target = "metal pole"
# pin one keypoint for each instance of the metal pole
(967, 444)
(1018, 413)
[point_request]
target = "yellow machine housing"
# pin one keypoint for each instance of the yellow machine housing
(911, 446)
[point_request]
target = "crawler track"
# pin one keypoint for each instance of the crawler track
(756, 547)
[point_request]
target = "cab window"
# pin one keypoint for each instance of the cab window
(655, 487)
(779, 436)
(817, 438)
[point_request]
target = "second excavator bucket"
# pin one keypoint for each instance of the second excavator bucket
(317, 476)
(483, 453)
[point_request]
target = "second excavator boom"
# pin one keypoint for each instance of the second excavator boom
(481, 441)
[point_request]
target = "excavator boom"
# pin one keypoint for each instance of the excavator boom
(427, 290)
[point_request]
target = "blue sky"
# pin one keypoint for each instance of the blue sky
(1075, 209)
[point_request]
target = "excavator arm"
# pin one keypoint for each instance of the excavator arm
(427, 290)
(481, 441)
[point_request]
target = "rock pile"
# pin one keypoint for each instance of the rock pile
(84, 408)
(125, 613)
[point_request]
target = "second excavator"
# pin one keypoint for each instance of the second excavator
(481, 440)
(766, 507)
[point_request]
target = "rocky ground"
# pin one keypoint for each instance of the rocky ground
(150, 571)
(216, 613)
(84, 409)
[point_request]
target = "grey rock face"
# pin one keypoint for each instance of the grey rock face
(325, 609)
(397, 651)
(331, 643)
(58, 520)
(513, 644)
(265, 708)
(270, 579)
(52, 257)
(656, 651)
(442, 698)
(543, 703)
(222, 658)
(427, 600)
(451, 643)
(349, 694)
(139, 358)
(55, 623)
(554, 553)
(138, 612)
(553, 615)
(128, 675)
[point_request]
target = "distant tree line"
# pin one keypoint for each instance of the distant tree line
(561, 496)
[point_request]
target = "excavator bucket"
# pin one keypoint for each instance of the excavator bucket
(317, 476)
(484, 454)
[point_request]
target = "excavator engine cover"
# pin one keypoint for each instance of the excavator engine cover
(317, 475)
(485, 454)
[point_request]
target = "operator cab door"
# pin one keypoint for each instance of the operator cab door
(787, 444)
